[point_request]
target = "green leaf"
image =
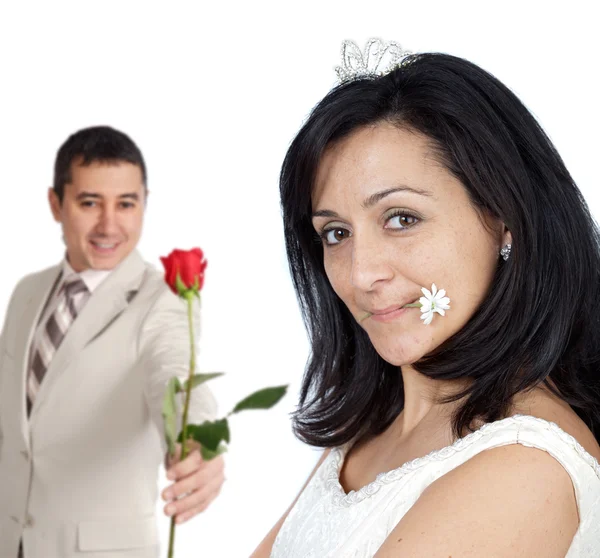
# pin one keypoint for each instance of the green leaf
(169, 412)
(207, 454)
(209, 434)
(198, 379)
(262, 399)
(179, 284)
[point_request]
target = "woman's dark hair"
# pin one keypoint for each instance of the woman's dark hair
(95, 144)
(540, 318)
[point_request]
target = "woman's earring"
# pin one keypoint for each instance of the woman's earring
(505, 252)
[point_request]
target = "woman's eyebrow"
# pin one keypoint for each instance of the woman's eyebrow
(324, 213)
(378, 196)
(374, 199)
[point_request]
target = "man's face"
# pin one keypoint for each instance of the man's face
(101, 213)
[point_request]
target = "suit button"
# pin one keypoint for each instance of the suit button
(25, 454)
(28, 521)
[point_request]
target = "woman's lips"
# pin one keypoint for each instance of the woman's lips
(388, 315)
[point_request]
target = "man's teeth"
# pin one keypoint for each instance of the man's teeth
(104, 245)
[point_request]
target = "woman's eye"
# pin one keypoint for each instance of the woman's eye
(401, 221)
(334, 236)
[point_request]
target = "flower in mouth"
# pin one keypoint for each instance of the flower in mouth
(433, 301)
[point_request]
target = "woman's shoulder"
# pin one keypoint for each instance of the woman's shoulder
(545, 413)
(556, 443)
(499, 488)
(564, 444)
(542, 421)
(507, 495)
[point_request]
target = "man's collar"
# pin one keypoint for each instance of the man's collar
(91, 277)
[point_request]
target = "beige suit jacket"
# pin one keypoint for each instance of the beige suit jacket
(79, 478)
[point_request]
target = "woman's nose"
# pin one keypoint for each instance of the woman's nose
(369, 263)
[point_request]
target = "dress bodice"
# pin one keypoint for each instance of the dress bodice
(326, 522)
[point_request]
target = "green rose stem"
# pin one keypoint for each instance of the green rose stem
(189, 296)
(211, 435)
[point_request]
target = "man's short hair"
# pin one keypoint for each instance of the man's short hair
(95, 144)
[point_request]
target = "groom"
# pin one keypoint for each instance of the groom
(85, 353)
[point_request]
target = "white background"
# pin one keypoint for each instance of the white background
(213, 93)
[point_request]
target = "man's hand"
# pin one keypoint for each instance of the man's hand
(197, 482)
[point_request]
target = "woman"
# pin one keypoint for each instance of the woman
(475, 434)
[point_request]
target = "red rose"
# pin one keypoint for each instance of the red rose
(190, 264)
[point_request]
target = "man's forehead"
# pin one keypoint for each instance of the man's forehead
(79, 166)
(105, 189)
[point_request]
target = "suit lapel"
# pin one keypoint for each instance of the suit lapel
(34, 306)
(105, 304)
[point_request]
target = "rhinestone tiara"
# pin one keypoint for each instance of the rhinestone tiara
(378, 59)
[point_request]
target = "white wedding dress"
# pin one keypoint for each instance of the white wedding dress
(328, 523)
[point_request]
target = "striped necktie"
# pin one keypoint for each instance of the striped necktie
(71, 297)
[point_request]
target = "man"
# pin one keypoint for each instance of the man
(85, 353)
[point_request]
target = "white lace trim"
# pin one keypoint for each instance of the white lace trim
(340, 498)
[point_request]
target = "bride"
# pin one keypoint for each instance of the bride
(448, 271)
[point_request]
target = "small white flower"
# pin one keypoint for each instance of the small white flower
(434, 301)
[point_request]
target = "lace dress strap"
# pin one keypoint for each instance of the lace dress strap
(582, 467)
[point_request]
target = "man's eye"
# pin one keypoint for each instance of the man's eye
(334, 236)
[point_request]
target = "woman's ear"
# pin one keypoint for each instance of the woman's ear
(506, 246)
(506, 237)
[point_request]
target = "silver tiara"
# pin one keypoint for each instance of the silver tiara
(378, 59)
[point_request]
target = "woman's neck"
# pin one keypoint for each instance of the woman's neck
(421, 399)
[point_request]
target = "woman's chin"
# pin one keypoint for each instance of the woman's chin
(403, 348)
(399, 356)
